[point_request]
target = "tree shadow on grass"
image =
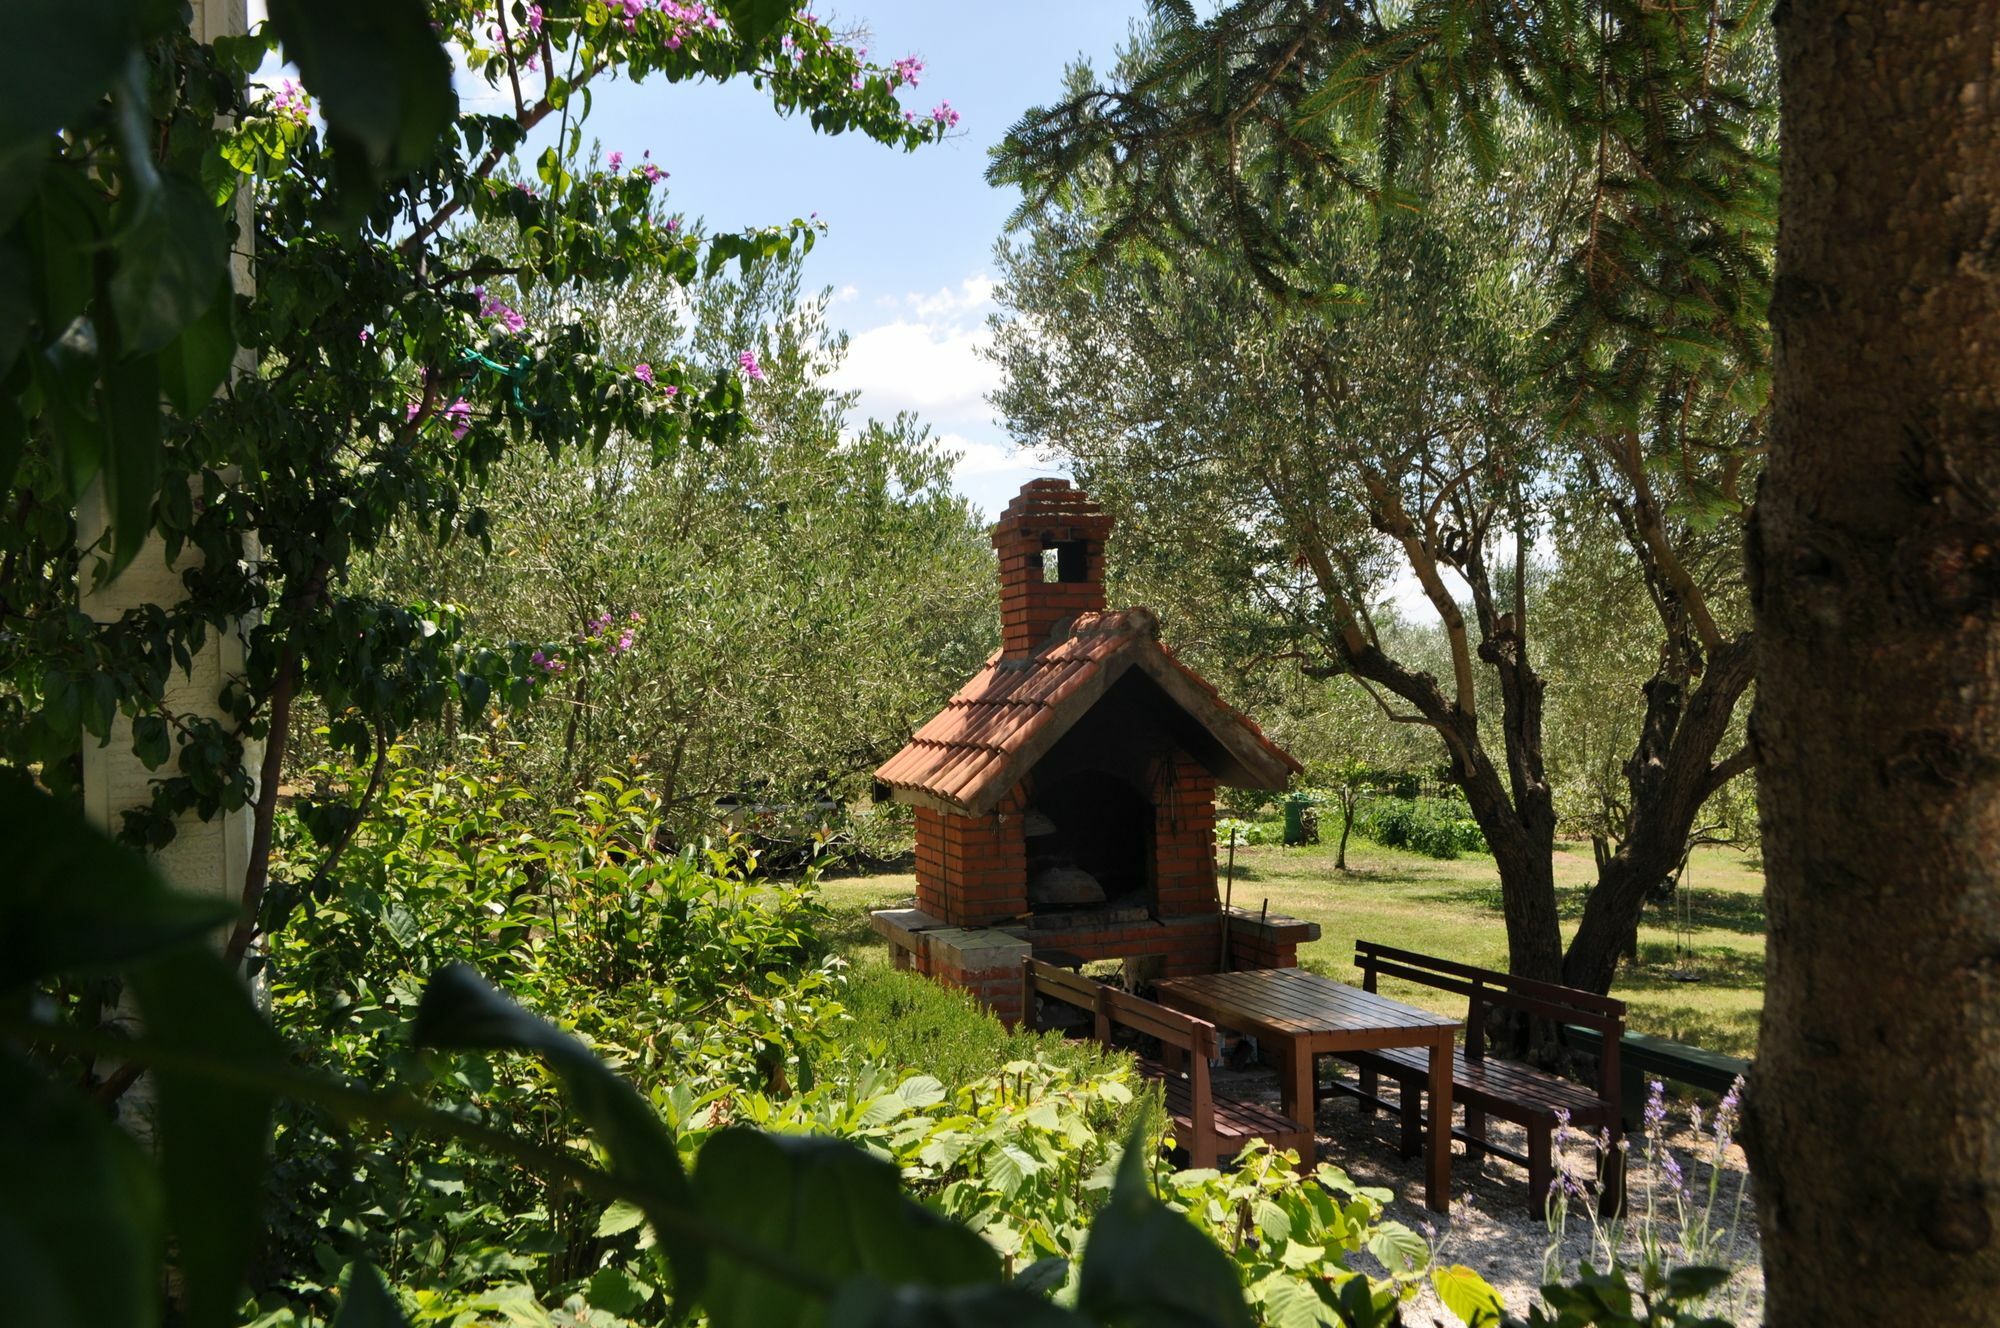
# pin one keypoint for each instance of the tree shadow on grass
(1659, 968)
(1719, 910)
(847, 930)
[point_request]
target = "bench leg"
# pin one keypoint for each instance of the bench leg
(1475, 1124)
(1611, 1180)
(1412, 1112)
(1370, 1085)
(1541, 1174)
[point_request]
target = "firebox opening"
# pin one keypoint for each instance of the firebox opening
(1090, 841)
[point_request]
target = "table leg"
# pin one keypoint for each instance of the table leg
(1296, 1094)
(1437, 1180)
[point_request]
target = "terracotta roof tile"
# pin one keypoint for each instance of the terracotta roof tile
(966, 757)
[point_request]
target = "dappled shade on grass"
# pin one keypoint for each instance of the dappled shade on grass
(1452, 909)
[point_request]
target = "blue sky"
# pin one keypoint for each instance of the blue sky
(910, 237)
(910, 240)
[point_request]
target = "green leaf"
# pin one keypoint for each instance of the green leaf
(620, 1218)
(1288, 1301)
(193, 365)
(72, 899)
(367, 1303)
(383, 82)
(1466, 1294)
(214, 1133)
(459, 1010)
(1401, 1250)
(1694, 1281)
(1134, 1238)
(17, 290)
(150, 742)
(58, 59)
(13, 438)
(132, 460)
(864, 1302)
(172, 260)
(829, 1208)
(756, 21)
(921, 1090)
(79, 1210)
(616, 1291)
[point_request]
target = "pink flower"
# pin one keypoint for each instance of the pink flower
(367, 335)
(459, 415)
(535, 19)
(671, 390)
(652, 173)
(616, 161)
(906, 71)
(633, 616)
(290, 102)
(499, 311)
(751, 369)
(644, 373)
(413, 410)
(624, 641)
(946, 117)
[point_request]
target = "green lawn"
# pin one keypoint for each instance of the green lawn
(1452, 909)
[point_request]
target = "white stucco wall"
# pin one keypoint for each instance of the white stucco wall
(205, 857)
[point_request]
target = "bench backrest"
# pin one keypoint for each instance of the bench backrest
(1486, 988)
(1111, 1007)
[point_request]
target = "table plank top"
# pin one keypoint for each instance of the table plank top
(1291, 1000)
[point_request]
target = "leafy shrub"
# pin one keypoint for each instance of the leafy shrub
(1435, 827)
(905, 1021)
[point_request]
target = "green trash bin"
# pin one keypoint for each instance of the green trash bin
(1295, 818)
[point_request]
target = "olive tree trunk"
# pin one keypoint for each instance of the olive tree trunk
(1875, 573)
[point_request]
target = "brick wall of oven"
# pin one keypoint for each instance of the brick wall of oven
(973, 870)
(1184, 839)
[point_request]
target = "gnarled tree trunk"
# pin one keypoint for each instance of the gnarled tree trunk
(1875, 1103)
(1671, 774)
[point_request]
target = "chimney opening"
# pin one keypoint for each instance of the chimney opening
(1066, 560)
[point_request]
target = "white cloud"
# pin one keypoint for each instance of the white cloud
(977, 457)
(928, 356)
(971, 297)
(930, 368)
(846, 294)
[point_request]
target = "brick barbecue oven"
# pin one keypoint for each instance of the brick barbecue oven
(1065, 797)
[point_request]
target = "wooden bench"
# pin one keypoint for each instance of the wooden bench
(1642, 1056)
(1209, 1125)
(1492, 1086)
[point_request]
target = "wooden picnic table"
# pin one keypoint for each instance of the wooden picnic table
(1303, 1014)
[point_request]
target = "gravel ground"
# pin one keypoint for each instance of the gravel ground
(1490, 1229)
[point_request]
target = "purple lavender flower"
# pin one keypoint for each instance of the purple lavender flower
(1726, 1113)
(1669, 1164)
(1656, 1108)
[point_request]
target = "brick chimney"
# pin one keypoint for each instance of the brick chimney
(1051, 546)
